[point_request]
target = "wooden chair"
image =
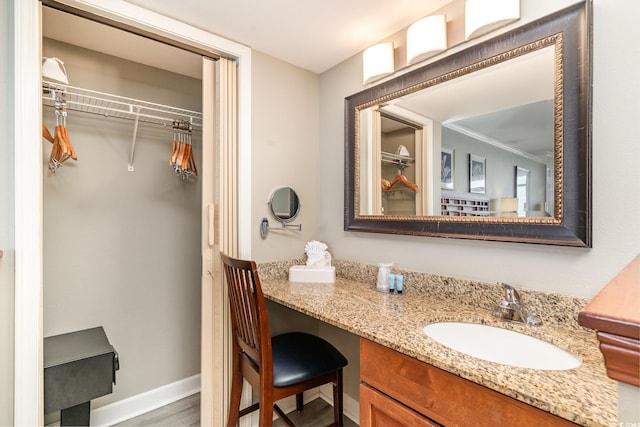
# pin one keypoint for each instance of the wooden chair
(279, 366)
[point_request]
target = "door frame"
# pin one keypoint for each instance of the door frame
(27, 37)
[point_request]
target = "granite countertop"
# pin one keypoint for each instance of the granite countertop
(584, 395)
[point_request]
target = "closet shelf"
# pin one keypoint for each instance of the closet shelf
(400, 161)
(109, 105)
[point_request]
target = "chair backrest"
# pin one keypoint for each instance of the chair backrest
(249, 320)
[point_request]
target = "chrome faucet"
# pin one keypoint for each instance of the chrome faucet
(511, 308)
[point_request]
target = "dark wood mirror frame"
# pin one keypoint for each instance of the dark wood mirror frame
(570, 31)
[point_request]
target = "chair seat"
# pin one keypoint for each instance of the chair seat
(298, 357)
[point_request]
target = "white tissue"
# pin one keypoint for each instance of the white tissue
(317, 254)
(315, 246)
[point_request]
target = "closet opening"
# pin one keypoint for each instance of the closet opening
(122, 221)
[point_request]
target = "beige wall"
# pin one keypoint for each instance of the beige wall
(6, 218)
(122, 249)
(284, 153)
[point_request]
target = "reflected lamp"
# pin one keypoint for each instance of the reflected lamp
(505, 204)
(377, 62)
(483, 16)
(426, 37)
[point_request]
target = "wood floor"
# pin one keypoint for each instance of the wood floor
(183, 413)
(186, 412)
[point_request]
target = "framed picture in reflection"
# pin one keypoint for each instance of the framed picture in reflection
(447, 172)
(477, 174)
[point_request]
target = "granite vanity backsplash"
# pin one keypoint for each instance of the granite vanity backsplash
(553, 309)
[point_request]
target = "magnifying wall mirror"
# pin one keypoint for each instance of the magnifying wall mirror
(285, 206)
(492, 142)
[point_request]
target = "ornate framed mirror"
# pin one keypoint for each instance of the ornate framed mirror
(433, 152)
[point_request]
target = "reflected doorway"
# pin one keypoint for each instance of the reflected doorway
(522, 189)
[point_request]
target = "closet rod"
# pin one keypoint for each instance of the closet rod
(109, 105)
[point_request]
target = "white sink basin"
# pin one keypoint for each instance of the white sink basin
(501, 346)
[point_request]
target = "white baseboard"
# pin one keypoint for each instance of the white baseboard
(350, 406)
(141, 403)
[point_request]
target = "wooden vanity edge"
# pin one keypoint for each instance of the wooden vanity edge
(614, 314)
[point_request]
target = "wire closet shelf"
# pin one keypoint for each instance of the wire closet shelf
(400, 161)
(109, 105)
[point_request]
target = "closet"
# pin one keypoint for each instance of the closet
(122, 222)
(400, 167)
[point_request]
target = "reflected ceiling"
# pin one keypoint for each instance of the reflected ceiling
(496, 96)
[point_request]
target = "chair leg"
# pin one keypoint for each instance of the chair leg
(337, 400)
(285, 419)
(234, 400)
(299, 402)
(266, 410)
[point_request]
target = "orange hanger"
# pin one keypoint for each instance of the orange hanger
(46, 134)
(402, 179)
(72, 151)
(62, 148)
(181, 158)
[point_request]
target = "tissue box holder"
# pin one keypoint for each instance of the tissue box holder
(303, 273)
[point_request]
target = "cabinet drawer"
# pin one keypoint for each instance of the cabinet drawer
(379, 410)
(446, 398)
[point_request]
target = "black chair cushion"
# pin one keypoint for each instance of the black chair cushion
(298, 356)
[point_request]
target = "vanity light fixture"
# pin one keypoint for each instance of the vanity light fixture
(483, 16)
(426, 37)
(377, 62)
(53, 70)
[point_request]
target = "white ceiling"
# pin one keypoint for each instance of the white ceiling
(314, 35)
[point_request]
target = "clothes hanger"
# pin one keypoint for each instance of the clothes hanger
(191, 163)
(174, 146)
(46, 134)
(181, 149)
(62, 148)
(70, 151)
(181, 159)
(177, 146)
(62, 144)
(399, 178)
(184, 165)
(188, 155)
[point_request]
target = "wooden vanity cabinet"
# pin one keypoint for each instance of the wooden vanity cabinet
(398, 390)
(379, 410)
